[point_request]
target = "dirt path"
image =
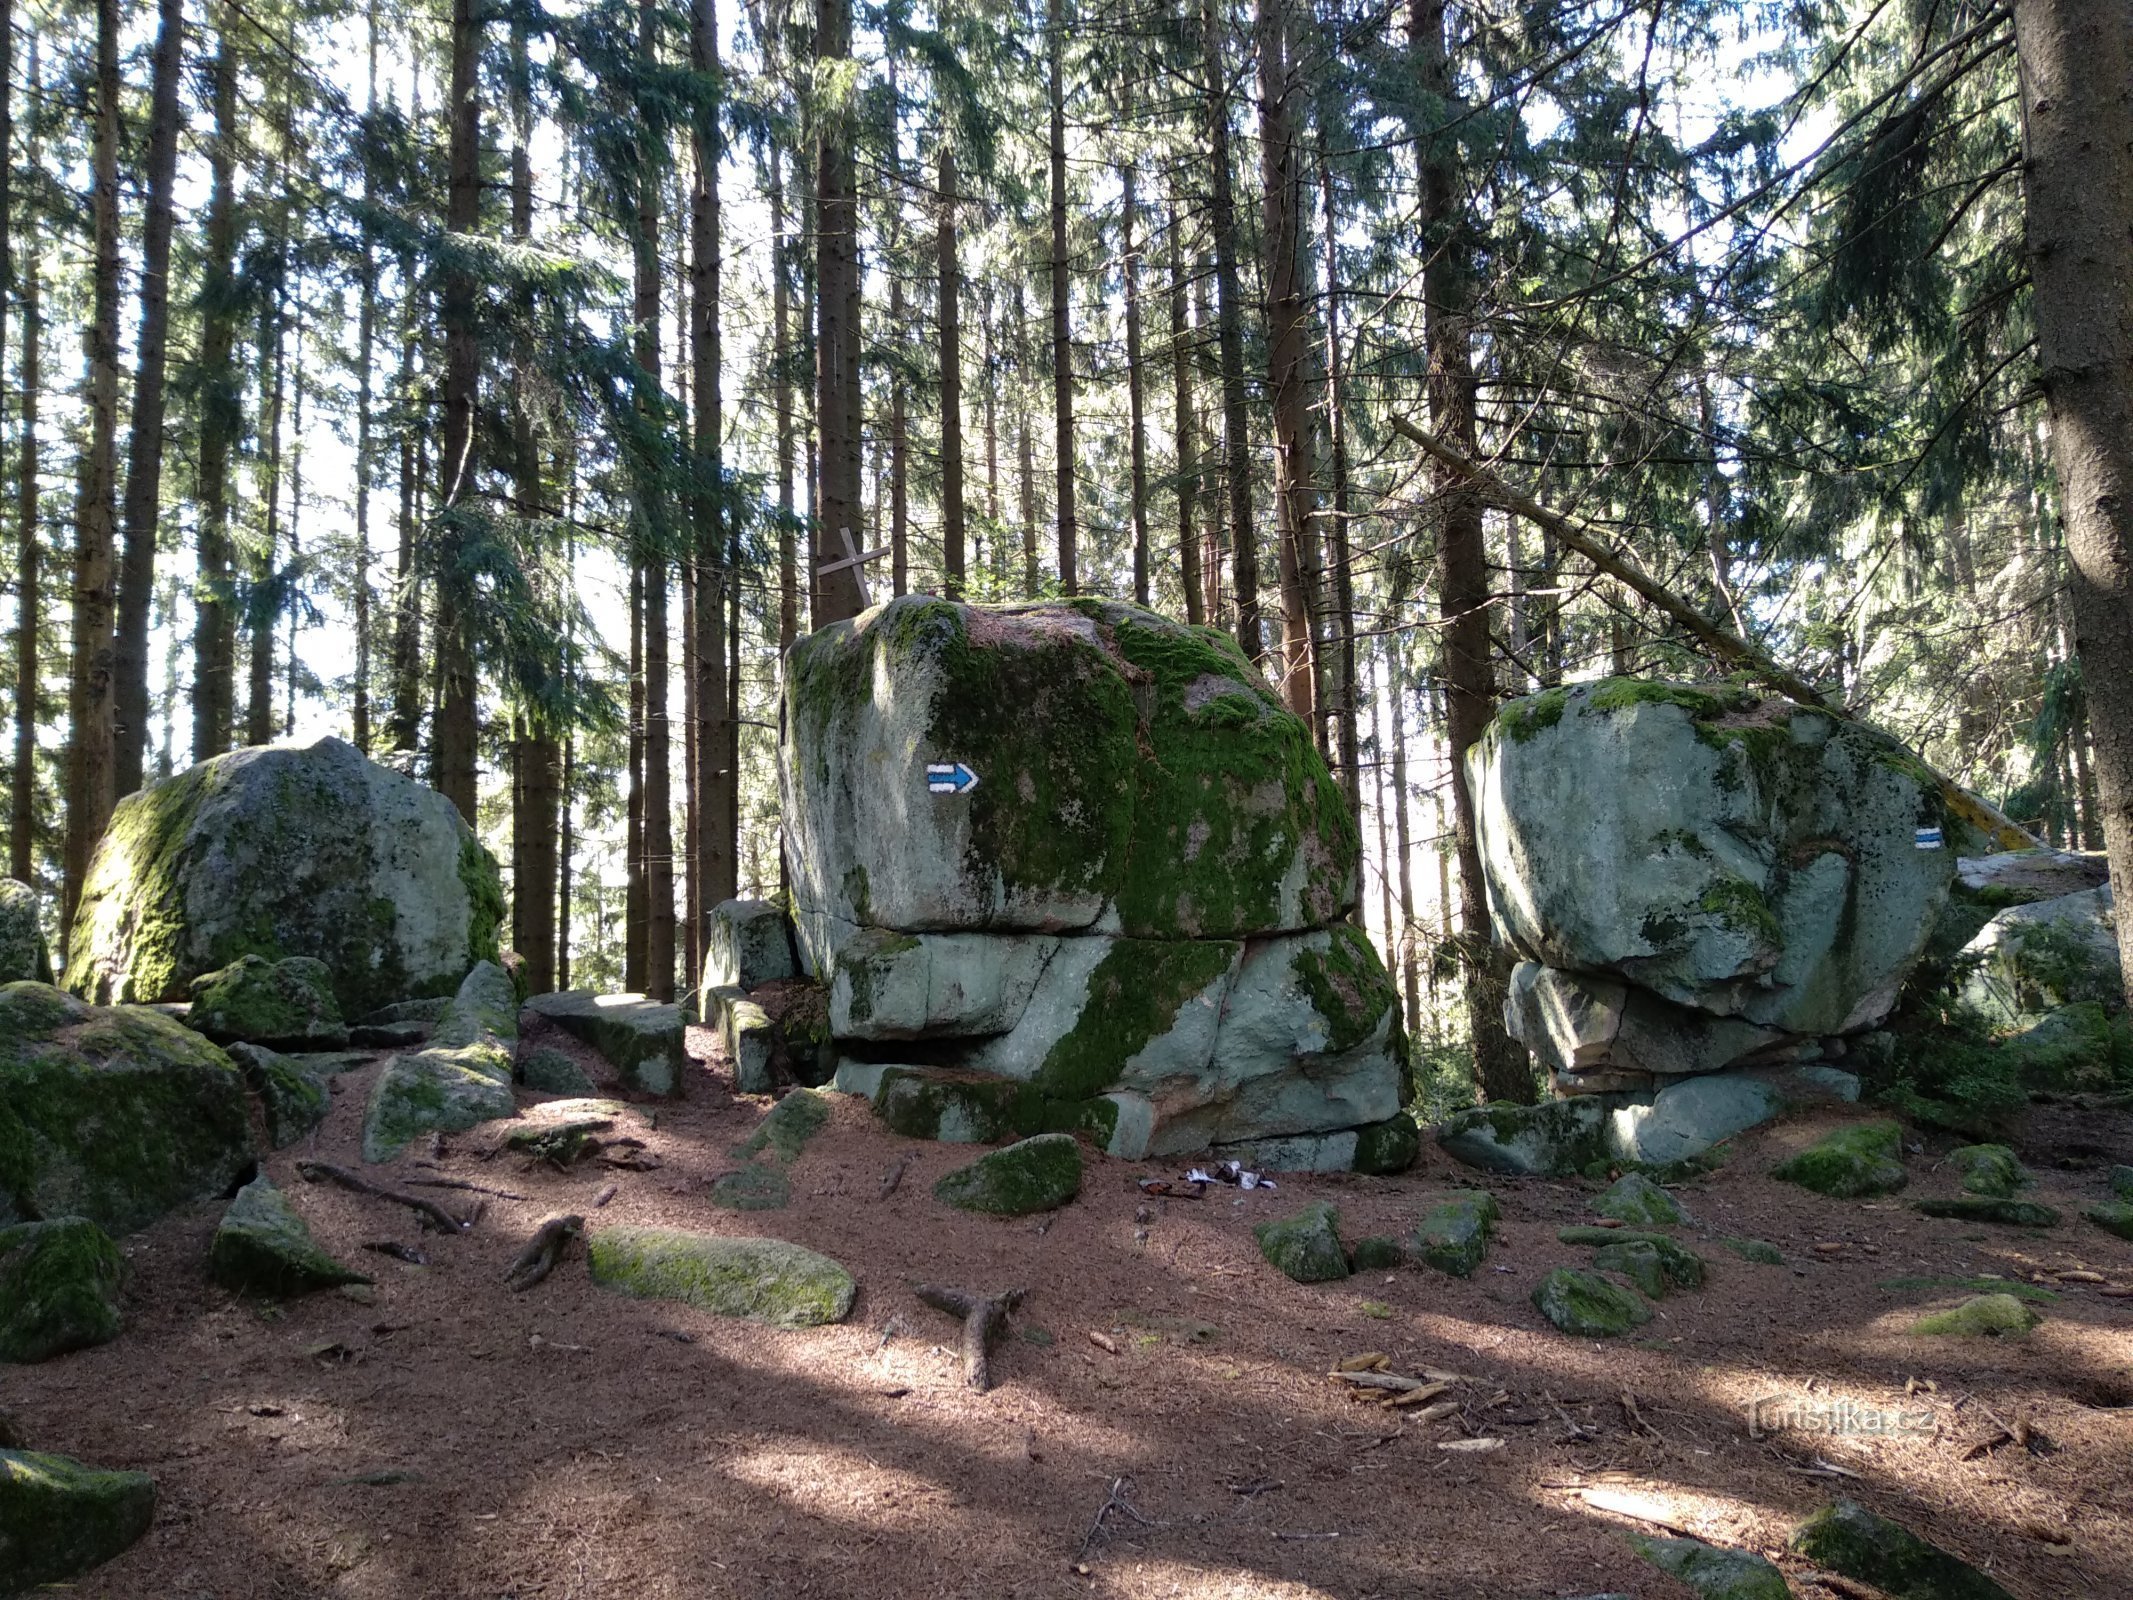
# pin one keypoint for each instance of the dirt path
(455, 1440)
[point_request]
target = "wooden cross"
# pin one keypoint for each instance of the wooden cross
(856, 559)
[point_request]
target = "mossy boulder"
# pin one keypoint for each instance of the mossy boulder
(1988, 1169)
(1990, 1208)
(299, 849)
(113, 1113)
(59, 1519)
(263, 1246)
(641, 1039)
(1657, 1266)
(1588, 1305)
(1376, 1253)
(24, 955)
(1589, 1237)
(286, 1004)
(2121, 1180)
(1557, 1138)
(2030, 960)
(1384, 1149)
(549, 1071)
(461, 1080)
(59, 1285)
(1724, 849)
(1305, 1247)
(747, 943)
(760, 1280)
(292, 1097)
(1849, 1163)
(1990, 1316)
(788, 1126)
(1634, 1198)
(2113, 1216)
(1857, 1543)
(1039, 1174)
(1453, 1234)
(1713, 1571)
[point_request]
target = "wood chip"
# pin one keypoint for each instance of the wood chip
(1470, 1446)
(1437, 1412)
(1368, 1361)
(1103, 1342)
(1417, 1397)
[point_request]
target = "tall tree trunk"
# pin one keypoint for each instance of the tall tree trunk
(1025, 450)
(781, 392)
(652, 564)
(996, 530)
(260, 610)
(948, 270)
(717, 777)
(1229, 327)
(1136, 411)
(29, 559)
(1183, 430)
(1396, 691)
(366, 453)
(1337, 541)
(634, 898)
(899, 411)
(21, 792)
(404, 724)
(457, 731)
(1062, 293)
(1288, 363)
(840, 521)
(1501, 1069)
(89, 698)
(1379, 763)
(144, 454)
(2077, 131)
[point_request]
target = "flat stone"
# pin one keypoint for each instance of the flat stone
(1039, 1174)
(1634, 1198)
(2022, 877)
(864, 1078)
(1714, 1572)
(1654, 1265)
(1688, 1116)
(751, 1041)
(263, 1246)
(389, 1035)
(1857, 1543)
(60, 1520)
(1986, 1208)
(747, 943)
(59, 1287)
(1556, 1138)
(643, 1040)
(1305, 1247)
(1589, 1306)
(759, 1280)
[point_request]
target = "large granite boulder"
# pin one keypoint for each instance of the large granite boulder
(286, 850)
(2034, 958)
(253, 1000)
(113, 1113)
(643, 1040)
(23, 952)
(1079, 852)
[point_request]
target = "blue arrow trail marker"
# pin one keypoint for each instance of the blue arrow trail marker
(949, 777)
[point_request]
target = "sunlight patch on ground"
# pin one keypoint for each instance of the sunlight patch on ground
(1141, 1578)
(842, 1485)
(1655, 1505)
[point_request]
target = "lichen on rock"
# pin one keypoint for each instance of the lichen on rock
(1588, 1305)
(1453, 1234)
(287, 1004)
(1305, 1247)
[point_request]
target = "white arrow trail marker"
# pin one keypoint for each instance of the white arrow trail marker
(949, 777)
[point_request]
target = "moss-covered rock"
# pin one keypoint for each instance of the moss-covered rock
(112, 1113)
(1384, 1149)
(1305, 1247)
(549, 1071)
(1987, 1208)
(1657, 1266)
(1988, 1169)
(1760, 1251)
(286, 1004)
(1848, 1539)
(1556, 1138)
(1453, 1234)
(262, 1246)
(60, 1519)
(1634, 1198)
(1591, 1237)
(788, 1126)
(1712, 1571)
(760, 1280)
(2113, 1216)
(1376, 1253)
(2040, 958)
(462, 1080)
(2121, 1180)
(292, 1098)
(641, 1039)
(561, 1131)
(1863, 1159)
(977, 1108)
(286, 850)
(59, 1285)
(1037, 1174)
(747, 943)
(1981, 1316)
(24, 956)
(1588, 1305)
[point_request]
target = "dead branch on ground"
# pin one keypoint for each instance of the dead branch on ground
(984, 1319)
(543, 1251)
(429, 1210)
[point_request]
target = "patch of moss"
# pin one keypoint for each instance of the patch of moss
(1589, 1306)
(1620, 694)
(480, 876)
(1713, 1572)
(1635, 1198)
(1305, 1247)
(759, 1280)
(59, 1284)
(1521, 721)
(1039, 1174)
(1863, 1159)
(1760, 1251)
(1653, 1265)
(1935, 1285)
(1988, 1169)
(1990, 1316)
(1739, 905)
(59, 1519)
(787, 1127)
(2113, 1216)
(1135, 994)
(1857, 1543)
(1347, 985)
(966, 1109)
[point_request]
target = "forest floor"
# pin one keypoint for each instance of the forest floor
(1163, 1423)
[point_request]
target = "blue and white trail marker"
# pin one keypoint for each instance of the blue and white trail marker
(950, 777)
(1926, 839)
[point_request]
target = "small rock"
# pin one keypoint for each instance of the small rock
(1849, 1539)
(59, 1284)
(1981, 1208)
(263, 1245)
(1585, 1304)
(1305, 1247)
(1863, 1159)
(2113, 1216)
(1760, 1251)
(1653, 1265)
(760, 1280)
(1982, 1315)
(746, 943)
(59, 1519)
(1988, 1169)
(1383, 1149)
(753, 1188)
(267, 1002)
(1712, 1571)
(1037, 1174)
(1634, 1198)
(1453, 1234)
(551, 1072)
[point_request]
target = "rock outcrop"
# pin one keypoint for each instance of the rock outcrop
(23, 952)
(286, 850)
(1079, 850)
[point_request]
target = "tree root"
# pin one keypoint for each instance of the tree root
(984, 1319)
(543, 1251)
(429, 1210)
